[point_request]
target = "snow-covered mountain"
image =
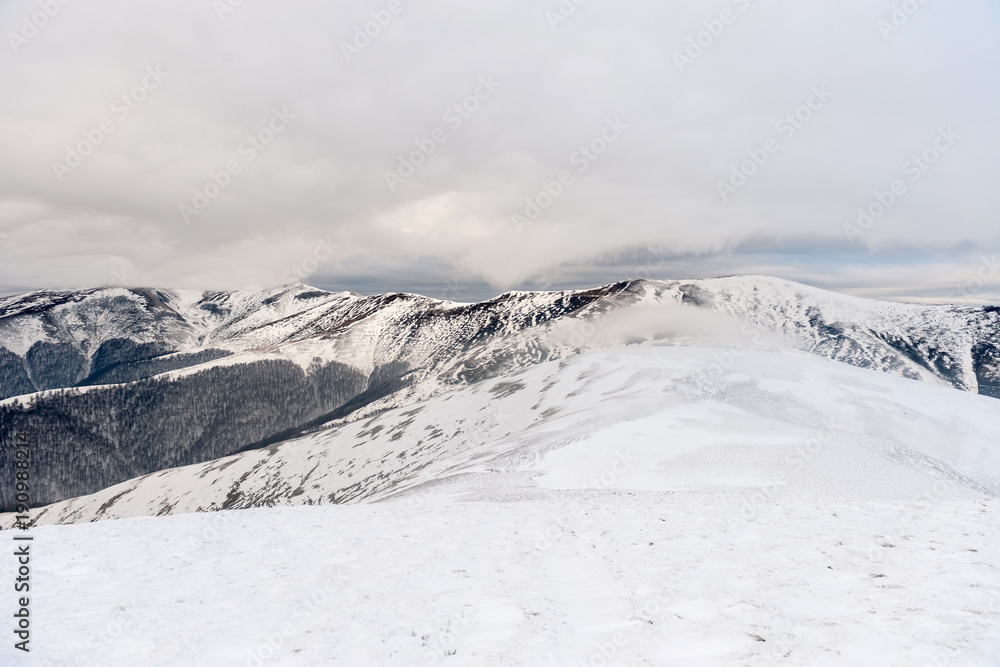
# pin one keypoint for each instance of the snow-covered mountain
(101, 336)
(635, 506)
(763, 414)
(171, 378)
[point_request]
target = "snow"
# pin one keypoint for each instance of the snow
(776, 413)
(784, 510)
(649, 576)
(442, 338)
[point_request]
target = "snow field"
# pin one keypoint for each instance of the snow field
(631, 578)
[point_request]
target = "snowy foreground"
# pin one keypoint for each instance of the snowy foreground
(655, 579)
(786, 510)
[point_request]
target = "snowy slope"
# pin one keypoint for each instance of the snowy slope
(248, 370)
(88, 318)
(377, 347)
(648, 579)
(956, 345)
(761, 412)
(635, 507)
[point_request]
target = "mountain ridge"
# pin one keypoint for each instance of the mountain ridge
(499, 431)
(252, 369)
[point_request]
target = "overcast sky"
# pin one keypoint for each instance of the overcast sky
(632, 138)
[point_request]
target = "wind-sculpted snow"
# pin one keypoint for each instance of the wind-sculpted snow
(781, 421)
(118, 347)
(653, 505)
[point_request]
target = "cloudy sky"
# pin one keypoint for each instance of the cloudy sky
(460, 148)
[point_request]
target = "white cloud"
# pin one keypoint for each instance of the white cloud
(324, 176)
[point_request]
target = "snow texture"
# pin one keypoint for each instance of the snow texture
(640, 506)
